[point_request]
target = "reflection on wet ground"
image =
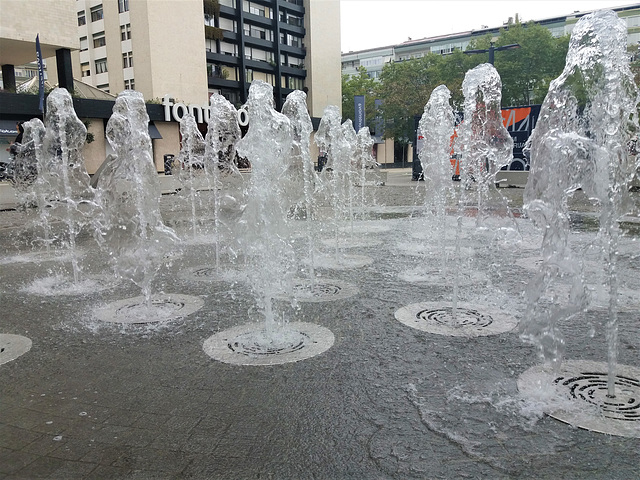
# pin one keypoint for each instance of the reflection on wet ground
(94, 399)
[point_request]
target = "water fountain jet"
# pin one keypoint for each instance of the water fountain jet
(265, 237)
(586, 121)
(133, 232)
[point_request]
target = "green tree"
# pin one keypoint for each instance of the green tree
(526, 72)
(405, 88)
(452, 71)
(360, 84)
(634, 56)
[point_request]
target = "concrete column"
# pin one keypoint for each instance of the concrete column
(9, 77)
(65, 70)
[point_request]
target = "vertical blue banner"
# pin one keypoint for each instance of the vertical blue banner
(359, 109)
(40, 74)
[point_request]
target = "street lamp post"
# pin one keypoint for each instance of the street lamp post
(491, 50)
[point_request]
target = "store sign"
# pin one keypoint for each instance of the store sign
(176, 111)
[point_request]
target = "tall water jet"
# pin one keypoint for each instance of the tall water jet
(330, 139)
(220, 151)
(586, 121)
(191, 161)
(339, 142)
(134, 234)
(436, 127)
(347, 164)
(301, 165)
(334, 181)
(63, 182)
(266, 228)
(25, 169)
(267, 146)
(364, 161)
(327, 135)
(486, 144)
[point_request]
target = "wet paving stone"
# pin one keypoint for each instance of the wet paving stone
(386, 401)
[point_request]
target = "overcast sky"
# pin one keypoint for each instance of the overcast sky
(378, 23)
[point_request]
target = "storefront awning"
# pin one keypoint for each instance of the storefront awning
(153, 131)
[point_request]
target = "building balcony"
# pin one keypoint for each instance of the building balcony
(296, 51)
(293, 6)
(258, 20)
(294, 29)
(218, 82)
(260, 65)
(259, 42)
(293, 71)
(223, 59)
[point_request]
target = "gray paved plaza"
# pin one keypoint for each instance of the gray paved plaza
(97, 400)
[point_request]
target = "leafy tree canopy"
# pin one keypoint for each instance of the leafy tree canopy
(359, 84)
(405, 86)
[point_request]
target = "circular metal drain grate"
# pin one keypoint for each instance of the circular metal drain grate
(250, 345)
(205, 272)
(434, 252)
(57, 285)
(366, 228)
(351, 242)
(342, 261)
(436, 276)
(256, 344)
(162, 309)
(12, 346)
(577, 394)
(533, 264)
(469, 320)
(212, 273)
(323, 290)
(41, 257)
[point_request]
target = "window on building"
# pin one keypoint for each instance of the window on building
(99, 40)
(294, 20)
(125, 32)
(129, 84)
(104, 86)
(85, 69)
(249, 74)
(228, 3)
(82, 18)
(96, 13)
(123, 6)
(229, 25)
(633, 22)
(229, 49)
(101, 66)
(256, 10)
(84, 44)
(296, 62)
(295, 83)
(127, 60)
(258, 32)
(294, 41)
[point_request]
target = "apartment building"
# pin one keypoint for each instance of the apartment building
(20, 23)
(192, 48)
(175, 52)
(374, 59)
